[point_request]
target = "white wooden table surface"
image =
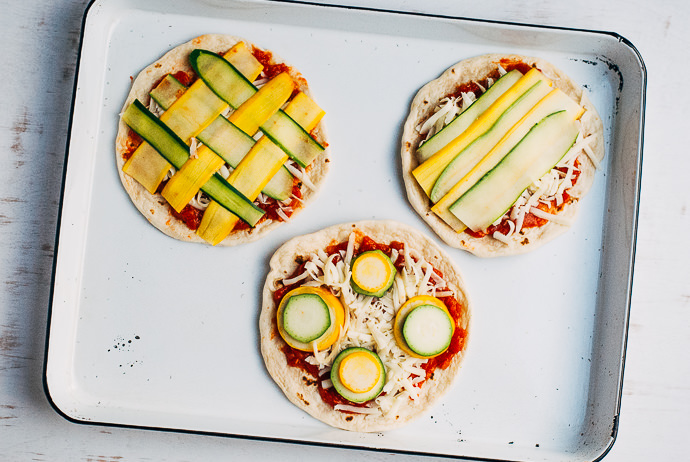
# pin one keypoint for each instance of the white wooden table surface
(39, 47)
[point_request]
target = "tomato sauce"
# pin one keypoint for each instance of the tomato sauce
(512, 64)
(185, 78)
(297, 358)
(131, 144)
(190, 215)
(272, 69)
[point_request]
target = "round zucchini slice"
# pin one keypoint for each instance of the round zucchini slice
(401, 317)
(428, 330)
(358, 374)
(336, 318)
(373, 273)
(306, 317)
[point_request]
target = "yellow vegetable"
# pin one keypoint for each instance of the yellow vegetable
(244, 61)
(257, 168)
(187, 181)
(147, 167)
(402, 313)
(263, 104)
(373, 271)
(304, 111)
(337, 319)
(216, 223)
(359, 372)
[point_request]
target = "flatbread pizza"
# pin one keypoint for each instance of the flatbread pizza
(364, 325)
(498, 151)
(220, 141)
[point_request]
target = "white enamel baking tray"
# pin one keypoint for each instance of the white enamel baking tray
(149, 332)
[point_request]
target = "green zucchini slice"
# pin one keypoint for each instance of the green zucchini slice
(428, 330)
(306, 317)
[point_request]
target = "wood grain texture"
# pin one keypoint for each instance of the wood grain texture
(40, 44)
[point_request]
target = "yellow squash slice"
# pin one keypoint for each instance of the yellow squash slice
(263, 104)
(304, 111)
(359, 372)
(337, 319)
(406, 309)
(373, 271)
(187, 181)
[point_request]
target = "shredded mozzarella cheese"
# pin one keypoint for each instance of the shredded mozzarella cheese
(356, 409)
(300, 174)
(155, 108)
(193, 146)
(548, 216)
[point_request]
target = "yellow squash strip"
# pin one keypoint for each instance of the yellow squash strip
(193, 111)
(555, 101)
(428, 172)
(147, 166)
(244, 61)
(216, 223)
(187, 181)
(257, 168)
(263, 104)
(251, 175)
(303, 109)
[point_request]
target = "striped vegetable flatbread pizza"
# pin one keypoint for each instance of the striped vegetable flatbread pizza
(220, 141)
(498, 151)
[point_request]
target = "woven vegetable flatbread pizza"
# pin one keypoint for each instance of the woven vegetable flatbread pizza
(364, 325)
(498, 151)
(219, 141)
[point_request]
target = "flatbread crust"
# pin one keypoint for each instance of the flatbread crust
(299, 386)
(422, 107)
(153, 206)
